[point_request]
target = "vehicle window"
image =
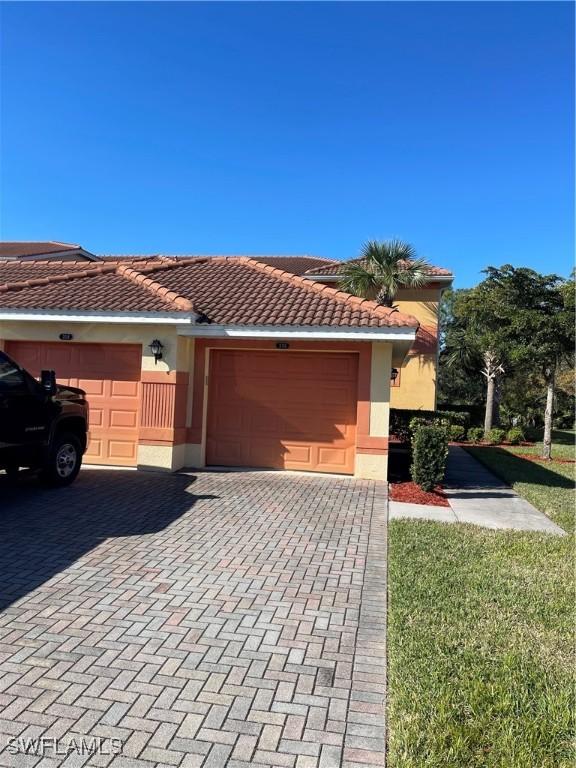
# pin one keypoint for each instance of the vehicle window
(10, 376)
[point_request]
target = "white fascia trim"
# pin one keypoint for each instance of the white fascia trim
(65, 316)
(299, 332)
(336, 278)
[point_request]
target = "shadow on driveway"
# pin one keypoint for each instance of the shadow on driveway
(43, 531)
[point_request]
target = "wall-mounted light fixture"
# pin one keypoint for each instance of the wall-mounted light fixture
(156, 348)
(393, 374)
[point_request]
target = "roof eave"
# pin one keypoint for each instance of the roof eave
(96, 316)
(335, 278)
(317, 332)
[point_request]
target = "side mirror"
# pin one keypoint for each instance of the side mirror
(48, 382)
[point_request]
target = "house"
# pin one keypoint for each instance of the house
(414, 386)
(211, 361)
(29, 251)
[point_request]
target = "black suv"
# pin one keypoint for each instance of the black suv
(42, 425)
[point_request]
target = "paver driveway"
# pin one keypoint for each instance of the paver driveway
(218, 619)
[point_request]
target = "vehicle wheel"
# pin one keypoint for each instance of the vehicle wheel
(64, 460)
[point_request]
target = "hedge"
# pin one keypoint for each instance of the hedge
(429, 452)
(475, 413)
(400, 419)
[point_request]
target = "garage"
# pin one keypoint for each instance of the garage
(110, 376)
(282, 409)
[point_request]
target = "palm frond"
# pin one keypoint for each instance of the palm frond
(414, 273)
(358, 280)
(382, 268)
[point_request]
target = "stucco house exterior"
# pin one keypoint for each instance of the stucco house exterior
(257, 365)
(415, 385)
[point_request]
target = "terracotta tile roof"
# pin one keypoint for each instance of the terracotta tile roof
(336, 267)
(227, 290)
(29, 248)
(13, 271)
(242, 291)
(85, 286)
(297, 265)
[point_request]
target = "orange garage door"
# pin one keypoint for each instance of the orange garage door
(109, 374)
(286, 410)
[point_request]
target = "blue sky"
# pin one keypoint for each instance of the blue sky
(292, 128)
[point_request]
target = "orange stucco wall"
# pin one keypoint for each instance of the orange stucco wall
(416, 383)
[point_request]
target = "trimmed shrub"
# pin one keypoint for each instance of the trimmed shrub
(457, 433)
(495, 436)
(429, 452)
(416, 423)
(401, 419)
(475, 434)
(473, 414)
(456, 417)
(515, 436)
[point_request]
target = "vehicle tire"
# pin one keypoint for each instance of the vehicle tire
(63, 462)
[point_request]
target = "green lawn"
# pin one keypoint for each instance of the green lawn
(481, 634)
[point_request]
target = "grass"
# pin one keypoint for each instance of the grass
(481, 645)
(547, 485)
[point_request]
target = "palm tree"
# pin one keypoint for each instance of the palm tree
(382, 269)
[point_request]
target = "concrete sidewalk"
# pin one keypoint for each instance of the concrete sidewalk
(477, 496)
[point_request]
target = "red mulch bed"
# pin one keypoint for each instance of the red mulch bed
(553, 460)
(413, 494)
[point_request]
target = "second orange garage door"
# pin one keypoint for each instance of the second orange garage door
(284, 410)
(110, 376)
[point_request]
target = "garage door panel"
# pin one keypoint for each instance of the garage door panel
(332, 457)
(109, 374)
(94, 452)
(124, 388)
(264, 452)
(93, 387)
(225, 452)
(297, 454)
(120, 418)
(121, 450)
(280, 410)
(96, 417)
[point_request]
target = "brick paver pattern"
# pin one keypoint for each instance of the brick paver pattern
(209, 620)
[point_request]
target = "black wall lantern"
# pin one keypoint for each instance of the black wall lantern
(156, 348)
(393, 374)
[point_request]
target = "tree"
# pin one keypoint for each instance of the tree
(537, 316)
(475, 342)
(382, 269)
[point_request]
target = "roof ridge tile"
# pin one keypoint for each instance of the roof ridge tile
(139, 277)
(89, 271)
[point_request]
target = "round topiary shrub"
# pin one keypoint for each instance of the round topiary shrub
(475, 434)
(495, 436)
(515, 436)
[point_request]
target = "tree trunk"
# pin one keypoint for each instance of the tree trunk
(491, 371)
(497, 399)
(489, 405)
(383, 299)
(547, 441)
